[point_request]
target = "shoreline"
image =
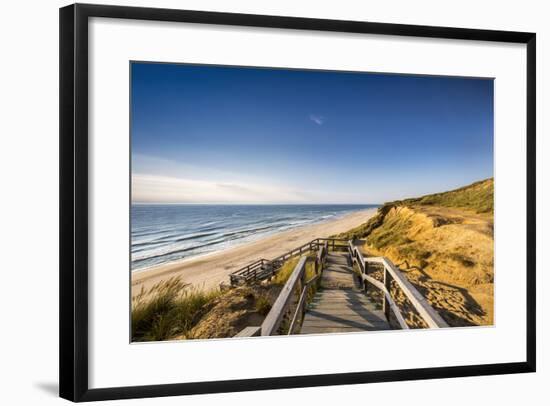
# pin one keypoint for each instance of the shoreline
(182, 261)
(207, 271)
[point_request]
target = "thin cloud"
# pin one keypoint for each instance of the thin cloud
(319, 120)
(148, 188)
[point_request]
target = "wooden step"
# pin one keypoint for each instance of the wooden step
(351, 308)
(343, 299)
(337, 260)
(365, 325)
(347, 303)
(329, 330)
(351, 295)
(340, 305)
(371, 316)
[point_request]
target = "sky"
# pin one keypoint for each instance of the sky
(236, 135)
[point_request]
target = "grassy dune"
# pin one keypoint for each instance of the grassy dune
(171, 310)
(248, 305)
(444, 244)
(168, 309)
(477, 197)
(234, 310)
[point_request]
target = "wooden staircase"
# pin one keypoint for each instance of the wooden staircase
(340, 305)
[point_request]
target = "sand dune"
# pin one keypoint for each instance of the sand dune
(210, 270)
(444, 245)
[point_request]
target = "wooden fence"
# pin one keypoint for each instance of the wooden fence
(391, 272)
(298, 286)
(284, 306)
(264, 268)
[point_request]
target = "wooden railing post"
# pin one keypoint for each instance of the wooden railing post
(278, 310)
(303, 291)
(385, 302)
(268, 268)
(363, 268)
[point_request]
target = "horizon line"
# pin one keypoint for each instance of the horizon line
(258, 204)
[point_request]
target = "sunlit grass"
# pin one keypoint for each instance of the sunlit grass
(283, 274)
(477, 197)
(168, 309)
(262, 305)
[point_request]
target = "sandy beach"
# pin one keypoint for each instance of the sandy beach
(210, 270)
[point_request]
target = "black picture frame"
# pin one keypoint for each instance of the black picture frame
(73, 253)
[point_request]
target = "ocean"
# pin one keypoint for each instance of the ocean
(164, 233)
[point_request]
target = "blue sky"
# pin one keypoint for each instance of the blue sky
(207, 134)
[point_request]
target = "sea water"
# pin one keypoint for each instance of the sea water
(162, 233)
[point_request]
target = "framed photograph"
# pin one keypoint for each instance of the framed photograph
(256, 202)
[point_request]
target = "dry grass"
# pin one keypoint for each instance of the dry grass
(477, 197)
(285, 271)
(171, 310)
(447, 254)
(263, 305)
(444, 244)
(168, 309)
(234, 310)
(248, 305)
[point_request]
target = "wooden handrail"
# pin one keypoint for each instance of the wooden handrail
(319, 263)
(426, 311)
(275, 316)
(250, 272)
(273, 320)
(252, 331)
(301, 303)
(395, 310)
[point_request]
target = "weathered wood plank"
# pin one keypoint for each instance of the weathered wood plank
(251, 331)
(340, 306)
(337, 315)
(301, 302)
(358, 326)
(427, 312)
(275, 315)
(346, 313)
(343, 294)
(352, 322)
(344, 301)
(367, 307)
(327, 298)
(333, 330)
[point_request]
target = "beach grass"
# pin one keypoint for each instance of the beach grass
(477, 197)
(262, 305)
(170, 308)
(285, 271)
(283, 275)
